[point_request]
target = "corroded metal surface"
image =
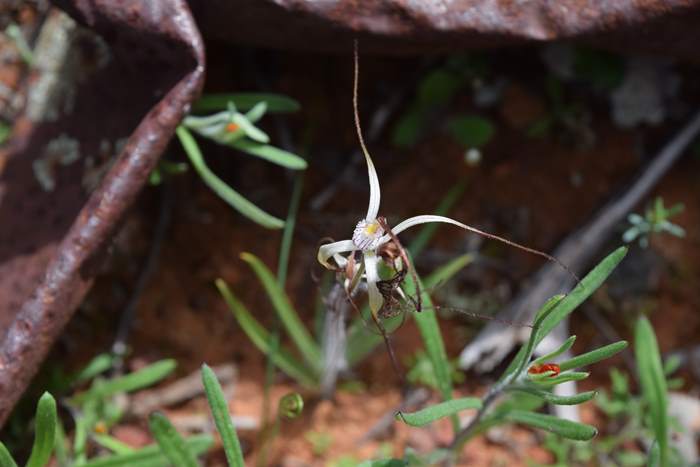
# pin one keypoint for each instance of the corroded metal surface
(80, 155)
(667, 27)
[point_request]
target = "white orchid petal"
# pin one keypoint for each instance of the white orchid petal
(339, 260)
(330, 249)
(372, 275)
(424, 219)
(374, 191)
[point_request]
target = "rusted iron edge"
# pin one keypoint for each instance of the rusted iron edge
(68, 277)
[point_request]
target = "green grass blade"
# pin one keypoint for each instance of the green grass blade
(270, 153)
(653, 382)
(170, 441)
(581, 292)
(140, 379)
(261, 338)
(6, 459)
(228, 194)
(438, 411)
(555, 399)
(222, 418)
(112, 444)
(565, 428)
(45, 431)
(288, 233)
(276, 103)
(554, 354)
(150, 456)
(593, 356)
(288, 316)
(428, 231)
(447, 271)
(432, 340)
(98, 365)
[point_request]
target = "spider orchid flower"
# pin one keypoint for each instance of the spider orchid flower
(369, 235)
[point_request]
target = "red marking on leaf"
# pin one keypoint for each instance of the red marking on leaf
(545, 367)
(231, 127)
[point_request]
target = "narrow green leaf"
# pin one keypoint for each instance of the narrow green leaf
(561, 378)
(438, 411)
(60, 443)
(261, 338)
(228, 194)
(245, 101)
(554, 354)
(270, 154)
(98, 365)
(593, 356)
(426, 233)
(290, 319)
(222, 418)
(581, 292)
(384, 463)
(112, 444)
(170, 441)
(445, 272)
(522, 358)
(553, 398)
(471, 131)
(257, 112)
(6, 459)
(45, 431)
(565, 428)
(653, 382)
(654, 459)
(140, 379)
(432, 340)
(250, 130)
(150, 456)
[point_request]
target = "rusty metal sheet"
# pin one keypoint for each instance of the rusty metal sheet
(667, 27)
(96, 121)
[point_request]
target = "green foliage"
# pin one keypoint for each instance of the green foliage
(222, 418)
(655, 221)
(471, 131)
(228, 194)
(150, 455)
(5, 132)
(320, 441)
(421, 371)
(435, 412)
(229, 127)
(526, 392)
(139, 379)
(171, 442)
(602, 69)
(565, 428)
(282, 358)
(286, 313)
(275, 103)
(653, 383)
(45, 431)
(435, 90)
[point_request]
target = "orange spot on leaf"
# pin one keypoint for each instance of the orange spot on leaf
(545, 367)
